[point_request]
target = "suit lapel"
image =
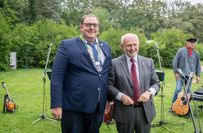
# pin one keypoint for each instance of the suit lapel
(106, 54)
(85, 52)
(141, 65)
(103, 49)
(124, 65)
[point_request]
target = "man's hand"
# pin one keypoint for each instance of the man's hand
(197, 79)
(145, 96)
(126, 100)
(108, 107)
(177, 76)
(57, 113)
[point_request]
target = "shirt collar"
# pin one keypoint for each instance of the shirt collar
(86, 42)
(128, 58)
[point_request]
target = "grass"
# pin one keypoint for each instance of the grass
(26, 89)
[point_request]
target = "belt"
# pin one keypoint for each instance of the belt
(137, 105)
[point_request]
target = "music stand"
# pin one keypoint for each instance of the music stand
(43, 114)
(49, 74)
(161, 76)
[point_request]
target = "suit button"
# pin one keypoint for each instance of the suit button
(99, 75)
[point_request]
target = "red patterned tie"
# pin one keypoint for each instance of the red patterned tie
(135, 81)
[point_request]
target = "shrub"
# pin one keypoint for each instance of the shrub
(31, 42)
(4, 43)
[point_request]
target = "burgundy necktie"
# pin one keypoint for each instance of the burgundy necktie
(134, 81)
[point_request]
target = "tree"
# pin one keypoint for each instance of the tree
(10, 10)
(169, 41)
(4, 43)
(49, 9)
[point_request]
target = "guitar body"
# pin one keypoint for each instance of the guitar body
(9, 104)
(180, 106)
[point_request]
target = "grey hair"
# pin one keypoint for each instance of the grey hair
(128, 35)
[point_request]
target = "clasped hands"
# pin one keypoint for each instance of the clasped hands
(144, 97)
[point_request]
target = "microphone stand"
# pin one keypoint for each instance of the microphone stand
(161, 122)
(43, 114)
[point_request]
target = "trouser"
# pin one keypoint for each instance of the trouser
(138, 123)
(77, 122)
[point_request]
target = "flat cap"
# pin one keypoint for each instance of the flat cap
(192, 40)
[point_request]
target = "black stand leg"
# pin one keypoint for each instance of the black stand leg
(197, 114)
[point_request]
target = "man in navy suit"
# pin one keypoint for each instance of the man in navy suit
(79, 80)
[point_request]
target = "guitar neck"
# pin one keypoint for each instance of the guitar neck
(4, 86)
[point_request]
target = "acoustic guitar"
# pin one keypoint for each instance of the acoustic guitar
(180, 106)
(9, 104)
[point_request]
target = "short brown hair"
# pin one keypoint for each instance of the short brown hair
(88, 15)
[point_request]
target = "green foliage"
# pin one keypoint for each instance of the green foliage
(113, 37)
(169, 41)
(48, 9)
(71, 17)
(4, 43)
(55, 20)
(199, 48)
(13, 10)
(103, 17)
(31, 42)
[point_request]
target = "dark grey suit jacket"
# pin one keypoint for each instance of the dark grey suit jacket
(120, 81)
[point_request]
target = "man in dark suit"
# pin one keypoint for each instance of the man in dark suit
(133, 83)
(79, 80)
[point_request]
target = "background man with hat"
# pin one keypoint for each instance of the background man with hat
(188, 61)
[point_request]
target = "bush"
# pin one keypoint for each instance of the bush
(31, 42)
(169, 41)
(199, 48)
(4, 43)
(113, 36)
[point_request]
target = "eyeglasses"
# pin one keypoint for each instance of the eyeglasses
(131, 46)
(89, 25)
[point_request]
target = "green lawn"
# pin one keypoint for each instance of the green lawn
(26, 89)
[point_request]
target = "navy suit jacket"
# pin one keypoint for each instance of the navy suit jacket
(76, 85)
